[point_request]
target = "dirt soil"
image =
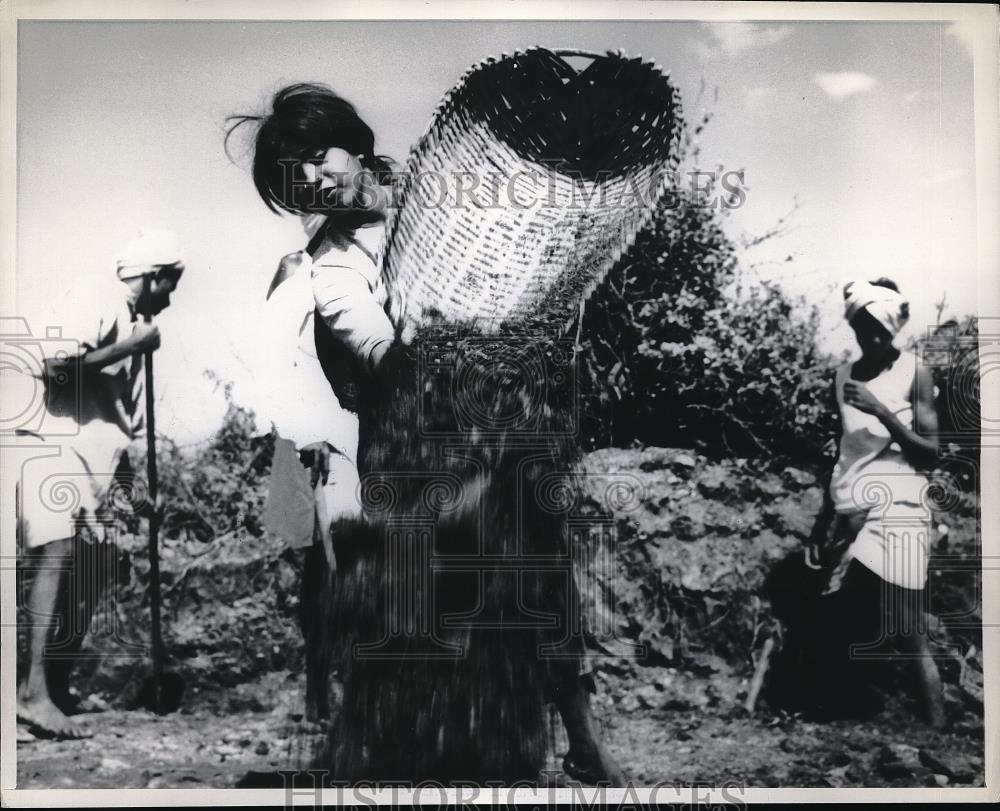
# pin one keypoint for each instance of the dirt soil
(223, 736)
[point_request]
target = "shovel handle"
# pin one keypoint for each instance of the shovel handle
(154, 528)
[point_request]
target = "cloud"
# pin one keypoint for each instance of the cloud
(841, 85)
(732, 39)
(761, 92)
(965, 32)
(939, 178)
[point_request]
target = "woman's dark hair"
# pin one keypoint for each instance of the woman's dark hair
(305, 120)
(883, 281)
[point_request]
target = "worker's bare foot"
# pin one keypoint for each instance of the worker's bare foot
(594, 767)
(45, 720)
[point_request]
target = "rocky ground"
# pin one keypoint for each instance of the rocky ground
(689, 732)
(675, 552)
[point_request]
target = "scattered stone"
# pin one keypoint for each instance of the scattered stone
(933, 763)
(903, 752)
(648, 696)
(678, 704)
(840, 759)
(894, 770)
(899, 761)
(706, 664)
(225, 749)
(654, 459)
(658, 647)
(664, 682)
(796, 479)
(262, 749)
(629, 703)
(788, 517)
(94, 703)
(109, 764)
(836, 778)
(685, 528)
(941, 780)
(766, 489)
(684, 460)
(958, 773)
(715, 482)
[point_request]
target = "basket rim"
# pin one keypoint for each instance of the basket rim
(440, 112)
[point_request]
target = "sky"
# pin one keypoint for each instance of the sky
(861, 132)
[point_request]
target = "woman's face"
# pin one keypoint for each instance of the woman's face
(873, 338)
(343, 184)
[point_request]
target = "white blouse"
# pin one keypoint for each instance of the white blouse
(344, 285)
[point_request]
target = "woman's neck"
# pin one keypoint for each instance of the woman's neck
(353, 220)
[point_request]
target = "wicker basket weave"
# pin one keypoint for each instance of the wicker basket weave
(530, 182)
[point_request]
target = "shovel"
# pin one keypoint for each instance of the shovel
(160, 692)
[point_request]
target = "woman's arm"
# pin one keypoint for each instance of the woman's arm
(920, 446)
(346, 304)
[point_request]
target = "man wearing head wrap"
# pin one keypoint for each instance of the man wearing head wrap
(92, 413)
(885, 304)
(876, 513)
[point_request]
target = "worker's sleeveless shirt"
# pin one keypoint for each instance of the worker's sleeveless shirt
(871, 467)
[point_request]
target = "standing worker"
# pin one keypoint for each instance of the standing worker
(874, 530)
(325, 329)
(89, 425)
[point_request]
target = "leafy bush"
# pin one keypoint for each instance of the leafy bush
(681, 350)
(229, 589)
(216, 488)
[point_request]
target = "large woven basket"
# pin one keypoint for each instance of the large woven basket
(531, 181)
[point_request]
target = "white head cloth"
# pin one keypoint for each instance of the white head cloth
(887, 306)
(154, 248)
